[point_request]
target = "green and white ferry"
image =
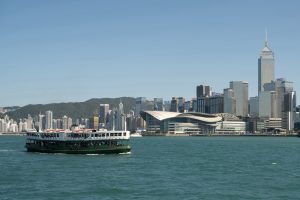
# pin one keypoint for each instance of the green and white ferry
(78, 142)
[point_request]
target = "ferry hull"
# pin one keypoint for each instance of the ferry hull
(102, 150)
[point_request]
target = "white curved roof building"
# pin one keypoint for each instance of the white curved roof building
(161, 123)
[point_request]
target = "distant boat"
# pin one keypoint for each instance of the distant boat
(136, 134)
(79, 142)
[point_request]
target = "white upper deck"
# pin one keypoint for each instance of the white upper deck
(83, 135)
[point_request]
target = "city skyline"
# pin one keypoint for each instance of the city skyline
(58, 52)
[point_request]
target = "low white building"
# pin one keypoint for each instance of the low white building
(231, 127)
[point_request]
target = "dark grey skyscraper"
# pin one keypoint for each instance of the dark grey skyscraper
(289, 110)
(103, 111)
(174, 104)
(203, 91)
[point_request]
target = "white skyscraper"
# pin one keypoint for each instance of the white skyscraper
(49, 119)
(70, 122)
(65, 124)
(29, 122)
(41, 122)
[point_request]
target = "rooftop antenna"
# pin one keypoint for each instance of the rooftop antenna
(266, 41)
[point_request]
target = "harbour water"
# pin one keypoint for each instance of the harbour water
(157, 168)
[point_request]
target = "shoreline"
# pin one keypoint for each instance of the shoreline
(224, 135)
(192, 135)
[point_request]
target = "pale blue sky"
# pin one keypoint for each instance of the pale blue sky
(61, 51)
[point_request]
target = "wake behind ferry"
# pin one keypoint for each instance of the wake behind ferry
(78, 142)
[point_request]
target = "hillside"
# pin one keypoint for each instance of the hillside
(74, 109)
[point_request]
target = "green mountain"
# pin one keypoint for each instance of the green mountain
(74, 109)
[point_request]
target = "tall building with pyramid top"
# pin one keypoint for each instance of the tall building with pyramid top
(266, 67)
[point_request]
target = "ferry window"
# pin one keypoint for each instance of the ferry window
(120, 134)
(111, 134)
(124, 134)
(107, 134)
(103, 134)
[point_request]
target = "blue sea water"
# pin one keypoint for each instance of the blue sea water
(157, 168)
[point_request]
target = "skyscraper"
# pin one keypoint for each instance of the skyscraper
(240, 92)
(140, 105)
(65, 122)
(174, 104)
(49, 119)
(181, 101)
(41, 122)
(203, 91)
(265, 67)
(120, 118)
(229, 101)
(158, 104)
(289, 110)
(103, 111)
(253, 106)
(267, 104)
